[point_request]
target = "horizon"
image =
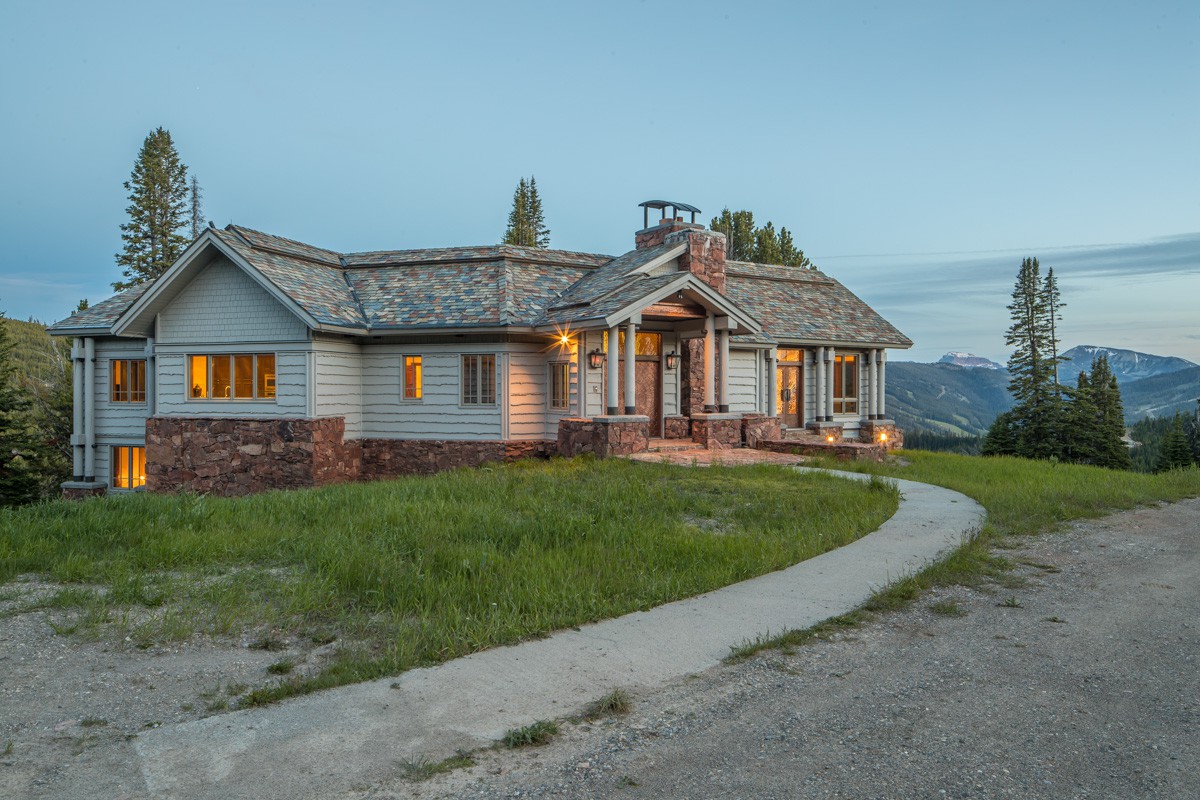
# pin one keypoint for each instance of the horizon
(364, 126)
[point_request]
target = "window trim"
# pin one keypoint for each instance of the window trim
(551, 368)
(420, 397)
(840, 362)
(462, 381)
(114, 460)
(272, 382)
(112, 375)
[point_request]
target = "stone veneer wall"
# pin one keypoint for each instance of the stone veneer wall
(603, 436)
(242, 456)
(677, 426)
(826, 429)
(80, 490)
(717, 431)
(843, 451)
(870, 430)
(760, 427)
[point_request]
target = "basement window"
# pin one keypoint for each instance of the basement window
(240, 376)
(128, 467)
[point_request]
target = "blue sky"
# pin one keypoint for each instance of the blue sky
(916, 151)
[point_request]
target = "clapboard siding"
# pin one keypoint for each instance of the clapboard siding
(339, 383)
(119, 423)
(223, 304)
(527, 383)
(671, 381)
(291, 373)
(593, 378)
(743, 380)
(439, 414)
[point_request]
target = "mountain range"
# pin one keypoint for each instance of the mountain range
(963, 393)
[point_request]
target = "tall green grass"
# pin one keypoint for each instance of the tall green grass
(417, 570)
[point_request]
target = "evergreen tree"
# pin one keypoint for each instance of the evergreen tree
(744, 242)
(526, 221)
(1038, 416)
(20, 453)
(195, 208)
(1053, 305)
(1083, 424)
(158, 201)
(1111, 450)
(1175, 453)
(1003, 437)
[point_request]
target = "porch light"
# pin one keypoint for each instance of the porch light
(672, 360)
(829, 438)
(595, 359)
(883, 437)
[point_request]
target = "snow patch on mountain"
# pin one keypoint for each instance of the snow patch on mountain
(968, 360)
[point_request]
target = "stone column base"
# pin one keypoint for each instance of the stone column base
(604, 436)
(760, 427)
(677, 426)
(826, 430)
(882, 431)
(717, 431)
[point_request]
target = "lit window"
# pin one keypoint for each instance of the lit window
(128, 381)
(560, 385)
(845, 384)
(790, 356)
(248, 376)
(414, 378)
(128, 467)
(478, 380)
(644, 344)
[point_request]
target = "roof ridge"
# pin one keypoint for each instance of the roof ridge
(334, 256)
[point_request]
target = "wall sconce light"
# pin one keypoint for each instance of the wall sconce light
(672, 360)
(595, 359)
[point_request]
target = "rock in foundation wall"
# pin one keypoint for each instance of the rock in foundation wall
(603, 436)
(872, 430)
(759, 427)
(677, 426)
(386, 458)
(843, 451)
(717, 431)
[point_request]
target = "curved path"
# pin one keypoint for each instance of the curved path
(317, 745)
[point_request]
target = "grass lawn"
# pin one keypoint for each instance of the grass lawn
(413, 571)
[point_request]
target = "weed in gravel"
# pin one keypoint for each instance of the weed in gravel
(627, 782)
(1059, 620)
(420, 769)
(233, 689)
(1036, 565)
(616, 703)
(8, 748)
(281, 667)
(92, 722)
(219, 704)
(1010, 602)
(795, 638)
(948, 608)
(268, 643)
(539, 732)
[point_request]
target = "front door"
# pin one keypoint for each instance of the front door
(647, 376)
(791, 394)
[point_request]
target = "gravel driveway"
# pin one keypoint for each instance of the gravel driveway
(1088, 689)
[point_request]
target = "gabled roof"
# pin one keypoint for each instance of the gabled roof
(806, 305)
(99, 319)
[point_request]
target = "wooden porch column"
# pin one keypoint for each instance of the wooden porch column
(710, 365)
(830, 366)
(89, 409)
(872, 384)
(77, 438)
(630, 364)
(611, 372)
(773, 386)
(881, 401)
(723, 407)
(819, 379)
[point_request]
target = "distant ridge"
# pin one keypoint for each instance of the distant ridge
(1127, 365)
(968, 360)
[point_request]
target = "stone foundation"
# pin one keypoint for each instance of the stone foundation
(82, 490)
(717, 431)
(882, 431)
(826, 429)
(388, 458)
(603, 436)
(677, 426)
(759, 427)
(242, 456)
(843, 451)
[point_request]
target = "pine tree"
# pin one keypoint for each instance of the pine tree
(1083, 424)
(1111, 450)
(766, 245)
(1175, 452)
(158, 200)
(195, 208)
(1053, 305)
(1002, 438)
(1038, 415)
(20, 455)
(792, 255)
(744, 242)
(526, 221)
(738, 227)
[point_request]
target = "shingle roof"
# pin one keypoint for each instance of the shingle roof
(807, 305)
(104, 313)
(501, 285)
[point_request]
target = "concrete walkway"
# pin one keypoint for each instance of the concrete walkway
(328, 743)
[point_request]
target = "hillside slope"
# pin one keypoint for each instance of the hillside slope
(1161, 395)
(945, 397)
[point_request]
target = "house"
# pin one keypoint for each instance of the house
(260, 362)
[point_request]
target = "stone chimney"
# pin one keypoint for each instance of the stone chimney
(705, 254)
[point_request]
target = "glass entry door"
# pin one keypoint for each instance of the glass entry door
(790, 382)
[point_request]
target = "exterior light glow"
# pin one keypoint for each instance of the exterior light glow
(564, 340)
(672, 360)
(595, 359)
(883, 437)
(829, 438)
